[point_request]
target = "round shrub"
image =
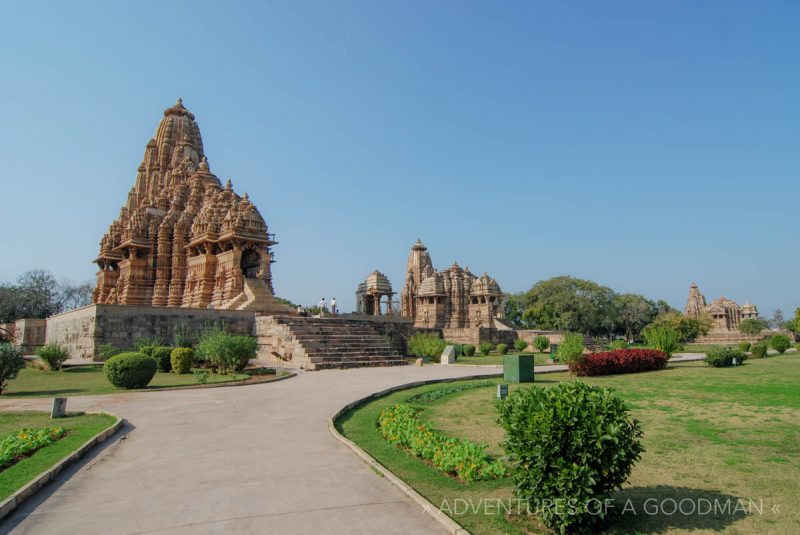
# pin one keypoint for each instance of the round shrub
(181, 359)
(469, 350)
(570, 350)
(520, 345)
(721, 357)
(570, 444)
(780, 343)
(485, 348)
(162, 355)
(130, 370)
(758, 351)
(11, 362)
(541, 343)
(502, 349)
(744, 346)
(54, 355)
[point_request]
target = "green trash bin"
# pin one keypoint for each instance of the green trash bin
(518, 368)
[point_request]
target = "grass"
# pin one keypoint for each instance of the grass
(90, 380)
(730, 433)
(80, 428)
(539, 359)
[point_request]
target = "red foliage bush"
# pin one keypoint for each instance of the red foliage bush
(620, 361)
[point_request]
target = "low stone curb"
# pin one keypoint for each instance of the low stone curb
(243, 382)
(32, 487)
(449, 524)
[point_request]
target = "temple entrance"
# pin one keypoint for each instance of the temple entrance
(250, 263)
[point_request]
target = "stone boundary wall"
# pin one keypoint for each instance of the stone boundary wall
(29, 334)
(83, 330)
(555, 337)
(475, 336)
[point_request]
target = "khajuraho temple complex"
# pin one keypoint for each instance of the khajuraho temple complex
(450, 299)
(725, 316)
(182, 239)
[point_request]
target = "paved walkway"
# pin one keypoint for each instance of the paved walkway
(252, 459)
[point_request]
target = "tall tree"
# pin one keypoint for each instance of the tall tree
(634, 313)
(777, 319)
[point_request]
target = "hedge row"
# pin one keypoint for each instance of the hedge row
(620, 361)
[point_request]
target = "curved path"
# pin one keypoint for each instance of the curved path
(250, 459)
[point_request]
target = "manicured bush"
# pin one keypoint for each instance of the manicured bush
(11, 362)
(162, 355)
(502, 349)
(469, 350)
(466, 460)
(226, 352)
(146, 345)
(426, 345)
(106, 351)
(758, 351)
(780, 343)
(130, 370)
(663, 338)
(520, 345)
(54, 355)
(570, 350)
(570, 444)
(485, 348)
(26, 441)
(720, 357)
(541, 343)
(744, 347)
(620, 361)
(181, 359)
(619, 344)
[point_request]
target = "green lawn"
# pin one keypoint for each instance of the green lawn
(539, 359)
(89, 380)
(80, 428)
(711, 434)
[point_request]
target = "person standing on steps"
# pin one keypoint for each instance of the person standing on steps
(333, 306)
(321, 307)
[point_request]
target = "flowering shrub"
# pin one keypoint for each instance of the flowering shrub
(26, 441)
(620, 361)
(468, 461)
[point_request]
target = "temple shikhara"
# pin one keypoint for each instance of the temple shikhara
(450, 299)
(726, 316)
(183, 239)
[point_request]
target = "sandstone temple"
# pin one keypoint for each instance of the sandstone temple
(182, 239)
(450, 299)
(725, 316)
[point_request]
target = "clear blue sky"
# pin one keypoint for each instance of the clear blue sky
(644, 145)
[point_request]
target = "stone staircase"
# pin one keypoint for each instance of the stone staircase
(323, 343)
(256, 297)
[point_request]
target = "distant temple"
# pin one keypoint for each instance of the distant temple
(182, 239)
(450, 299)
(726, 316)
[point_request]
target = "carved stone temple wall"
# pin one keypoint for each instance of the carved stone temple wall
(726, 316)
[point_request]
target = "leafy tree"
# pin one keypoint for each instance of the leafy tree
(634, 313)
(570, 350)
(780, 343)
(752, 327)
(664, 338)
(514, 310)
(777, 318)
(11, 362)
(687, 328)
(37, 294)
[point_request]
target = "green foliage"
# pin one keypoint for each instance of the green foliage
(663, 337)
(571, 444)
(26, 441)
(426, 345)
(758, 351)
(513, 311)
(520, 345)
(146, 345)
(780, 343)
(458, 349)
(433, 395)
(162, 355)
(106, 351)
(570, 350)
(469, 350)
(182, 335)
(541, 343)
(11, 362)
(633, 313)
(485, 348)
(502, 349)
(201, 377)
(227, 352)
(744, 347)
(463, 458)
(688, 328)
(130, 370)
(54, 355)
(720, 357)
(752, 326)
(619, 344)
(181, 359)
